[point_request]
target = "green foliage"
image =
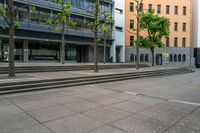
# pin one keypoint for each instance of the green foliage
(156, 28)
(107, 20)
(2, 11)
(17, 25)
(63, 17)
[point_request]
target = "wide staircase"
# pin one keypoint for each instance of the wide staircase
(17, 87)
(34, 69)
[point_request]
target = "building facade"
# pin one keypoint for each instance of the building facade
(35, 40)
(118, 49)
(179, 42)
(196, 24)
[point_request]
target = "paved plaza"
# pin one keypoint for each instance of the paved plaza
(150, 105)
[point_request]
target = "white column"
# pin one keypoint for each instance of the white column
(25, 51)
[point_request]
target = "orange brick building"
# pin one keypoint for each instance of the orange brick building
(178, 43)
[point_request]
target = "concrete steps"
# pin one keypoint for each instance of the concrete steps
(17, 87)
(34, 69)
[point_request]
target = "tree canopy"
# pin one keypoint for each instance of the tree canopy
(156, 28)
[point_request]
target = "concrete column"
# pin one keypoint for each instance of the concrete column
(122, 54)
(25, 51)
(113, 52)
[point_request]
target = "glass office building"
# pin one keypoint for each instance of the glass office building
(35, 40)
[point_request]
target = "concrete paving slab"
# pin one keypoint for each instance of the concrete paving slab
(107, 129)
(104, 100)
(9, 110)
(82, 106)
(191, 121)
(147, 101)
(160, 113)
(51, 113)
(35, 105)
(74, 124)
(15, 122)
(131, 107)
(106, 114)
(181, 129)
(141, 124)
(4, 102)
(124, 96)
(65, 99)
(34, 129)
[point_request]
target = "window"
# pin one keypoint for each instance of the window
(184, 57)
(131, 7)
(131, 24)
(117, 10)
(159, 9)
(179, 58)
(131, 40)
(176, 10)
(132, 57)
(175, 58)
(175, 42)
(118, 28)
(141, 57)
(175, 26)
(141, 7)
(167, 9)
(184, 42)
(167, 42)
(170, 58)
(150, 7)
(184, 11)
(184, 27)
(146, 57)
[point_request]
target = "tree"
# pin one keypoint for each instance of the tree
(11, 24)
(62, 20)
(8, 16)
(156, 27)
(105, 28)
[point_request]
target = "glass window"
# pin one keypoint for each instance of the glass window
(170, 58)
(175, 58)
(150, 7)
(175, 42)
(131, 7)
(146, 57)
(131, 40)
(23, 15)
(159, 9)
(167, 42)
(183, 42)
(175, 26)
(184, 11)
(184, 27)
(184, 57)
(131, 24)
(167, 9)
(132, 58)
(176, 10)
(141, 57)
(179, 58)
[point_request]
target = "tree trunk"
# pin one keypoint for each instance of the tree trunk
(153, 59)
(95, 36)
(63, 46)
(137, 45)
(63, 39)
(11, 39)
(104, 50)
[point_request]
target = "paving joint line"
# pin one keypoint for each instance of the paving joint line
(30, 115)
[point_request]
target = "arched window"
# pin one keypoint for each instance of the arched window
(175, 57)
(170, 58)
(132, 58)
(184, 58)
(146, 57)
(179, 58)
(141, 57)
